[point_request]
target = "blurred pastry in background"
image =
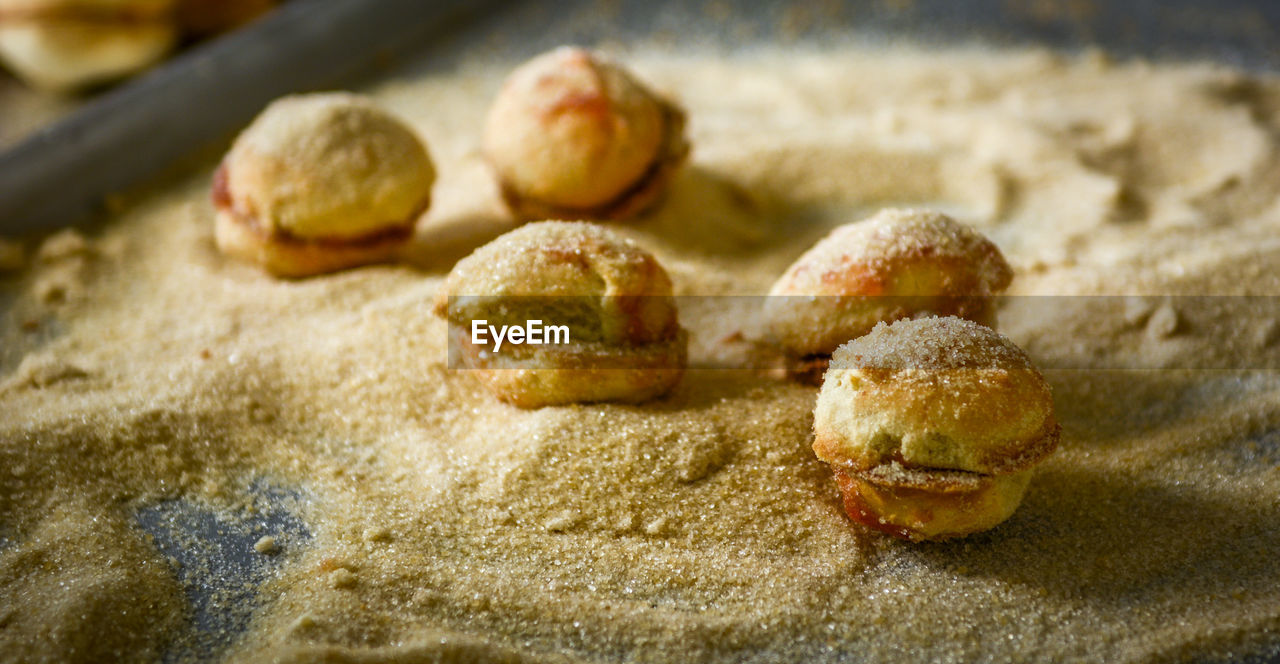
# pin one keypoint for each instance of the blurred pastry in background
(319, 183)
(63, 45)
(201, 18)
(896, 264)
(572, 135)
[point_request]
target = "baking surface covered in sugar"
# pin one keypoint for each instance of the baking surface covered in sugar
(444, 523)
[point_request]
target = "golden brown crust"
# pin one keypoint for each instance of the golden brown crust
(897, 264)
(584, 373)
(320, 183)
(938, 393)
(642, 195)
(934, 506)
(288, 257)
(573, 136)
(836, 450)
(932, 427)
(625, 343)
(620, 284)
(329, 165)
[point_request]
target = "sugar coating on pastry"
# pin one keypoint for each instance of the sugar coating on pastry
(330, 166)
(936, 393)
(932, 427)
(573, 135)
(611, 289)
(896, 264)
(66, 44)
(614, 297)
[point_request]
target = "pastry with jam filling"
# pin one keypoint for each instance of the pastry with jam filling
(320, 183)
(933, 427)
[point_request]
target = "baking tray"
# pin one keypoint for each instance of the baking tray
(60, 175)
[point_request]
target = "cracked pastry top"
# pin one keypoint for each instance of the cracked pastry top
(625, 342)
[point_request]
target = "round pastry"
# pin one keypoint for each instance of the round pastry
(574, 136)
(67, 44)
(207, 17)
(932, 427)
(621, 340)
(319, 183)
(897, 264)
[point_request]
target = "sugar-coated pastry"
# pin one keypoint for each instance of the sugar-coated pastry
(932, 427)
(67, 44)
(896, 264)
(572, 135)
(624, 342)
(319, 183)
